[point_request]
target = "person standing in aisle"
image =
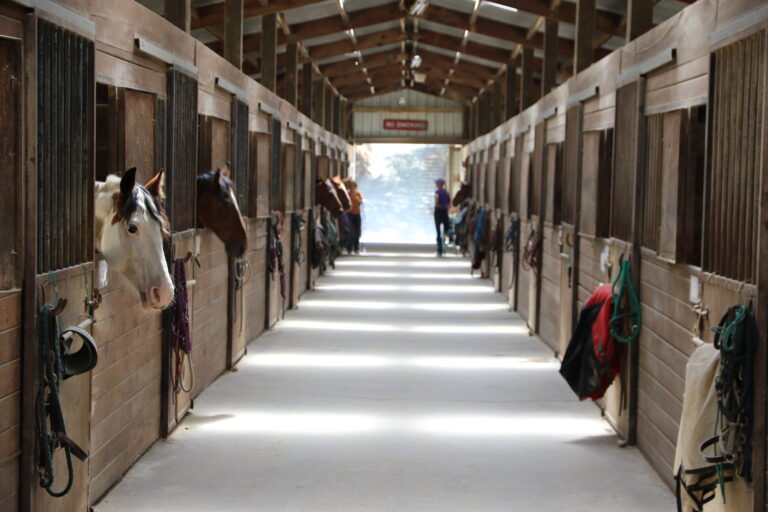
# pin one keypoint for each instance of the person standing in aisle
(355, 221)
(442, 202)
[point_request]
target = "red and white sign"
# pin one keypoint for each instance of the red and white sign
(416, 125)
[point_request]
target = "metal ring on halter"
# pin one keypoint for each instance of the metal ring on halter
(242, 274)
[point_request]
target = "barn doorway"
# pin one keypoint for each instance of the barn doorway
(397, 183)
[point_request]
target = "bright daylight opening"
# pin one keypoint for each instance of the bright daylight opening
(398, 184)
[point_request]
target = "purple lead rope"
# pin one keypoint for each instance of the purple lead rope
(181, 339)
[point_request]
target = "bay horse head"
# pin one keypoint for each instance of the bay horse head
(464, 193)
(130, 228)
(217, 210)
(342, 192)
(326, 196)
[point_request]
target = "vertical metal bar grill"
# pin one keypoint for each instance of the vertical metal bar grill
(517, 169)
(625, 157)
(275, 171)
(731, 200)
(64, 147)
(535, 180)
(654, 136)
(298, 186)
(160, 135)
(240, 152)
(181, 150)
(572, 155)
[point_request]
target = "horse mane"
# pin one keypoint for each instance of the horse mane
(128, 206)
(210, 176)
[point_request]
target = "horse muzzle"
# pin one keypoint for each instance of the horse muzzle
(157, 298)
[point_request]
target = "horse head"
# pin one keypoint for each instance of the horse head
(464, 193)
(342, 193)
(326, 196)
(217, 210)
(130, 228)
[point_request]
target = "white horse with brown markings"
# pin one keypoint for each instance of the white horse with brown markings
(130, 228)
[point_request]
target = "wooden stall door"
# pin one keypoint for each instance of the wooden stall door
(570, 203)
(10, 265)
(126, 395)
(59, 243)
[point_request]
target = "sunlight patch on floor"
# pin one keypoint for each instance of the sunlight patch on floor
(416, 306)
(563, 427)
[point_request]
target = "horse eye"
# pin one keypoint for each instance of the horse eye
(132, 229)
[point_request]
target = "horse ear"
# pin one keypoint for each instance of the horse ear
(156, 185)
(224, 169)
(127, 182)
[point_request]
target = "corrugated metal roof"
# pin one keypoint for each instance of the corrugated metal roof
(457, 5)
(491, 41)
(412, 99)
(338, 36)
(478, 60)
(439, 27)
(311, 12)
(377, 28)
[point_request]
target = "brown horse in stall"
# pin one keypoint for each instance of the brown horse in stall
(327, 197)
(464, 193)
(217, 210)
(342, 192)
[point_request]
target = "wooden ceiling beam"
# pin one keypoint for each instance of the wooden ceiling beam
(605, 21)
(458, 77)
(214, 14)
(432, 58)
(368, 41)
(348, 66)
(322, 27)
(357, 19)
(454, 43)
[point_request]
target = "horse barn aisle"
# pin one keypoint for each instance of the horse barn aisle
(398, 384)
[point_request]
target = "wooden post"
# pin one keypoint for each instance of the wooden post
(585, 32)
(639, 18)
(292, 74)
(526, 86)
(335, 114)
(498, 114)
(343, 121)
(761, 316)
(482, 114)
(512, 101)
(465, 116)
(179, 12)
(306, 89)
(233, 32)
(269, 51)
(318, 105)
(549, 74)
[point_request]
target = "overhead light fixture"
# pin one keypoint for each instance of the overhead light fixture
(419, 7)
(416, 62)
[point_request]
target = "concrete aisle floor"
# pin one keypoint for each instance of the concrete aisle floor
(400, 384)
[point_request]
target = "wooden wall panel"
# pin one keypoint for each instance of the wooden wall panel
(125, 418)
(209, 310)
(10, 398)
(10, 148)
(549, 322)
(263, 159)
(255, 306)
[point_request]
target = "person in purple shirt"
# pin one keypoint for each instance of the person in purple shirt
(442, 202)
